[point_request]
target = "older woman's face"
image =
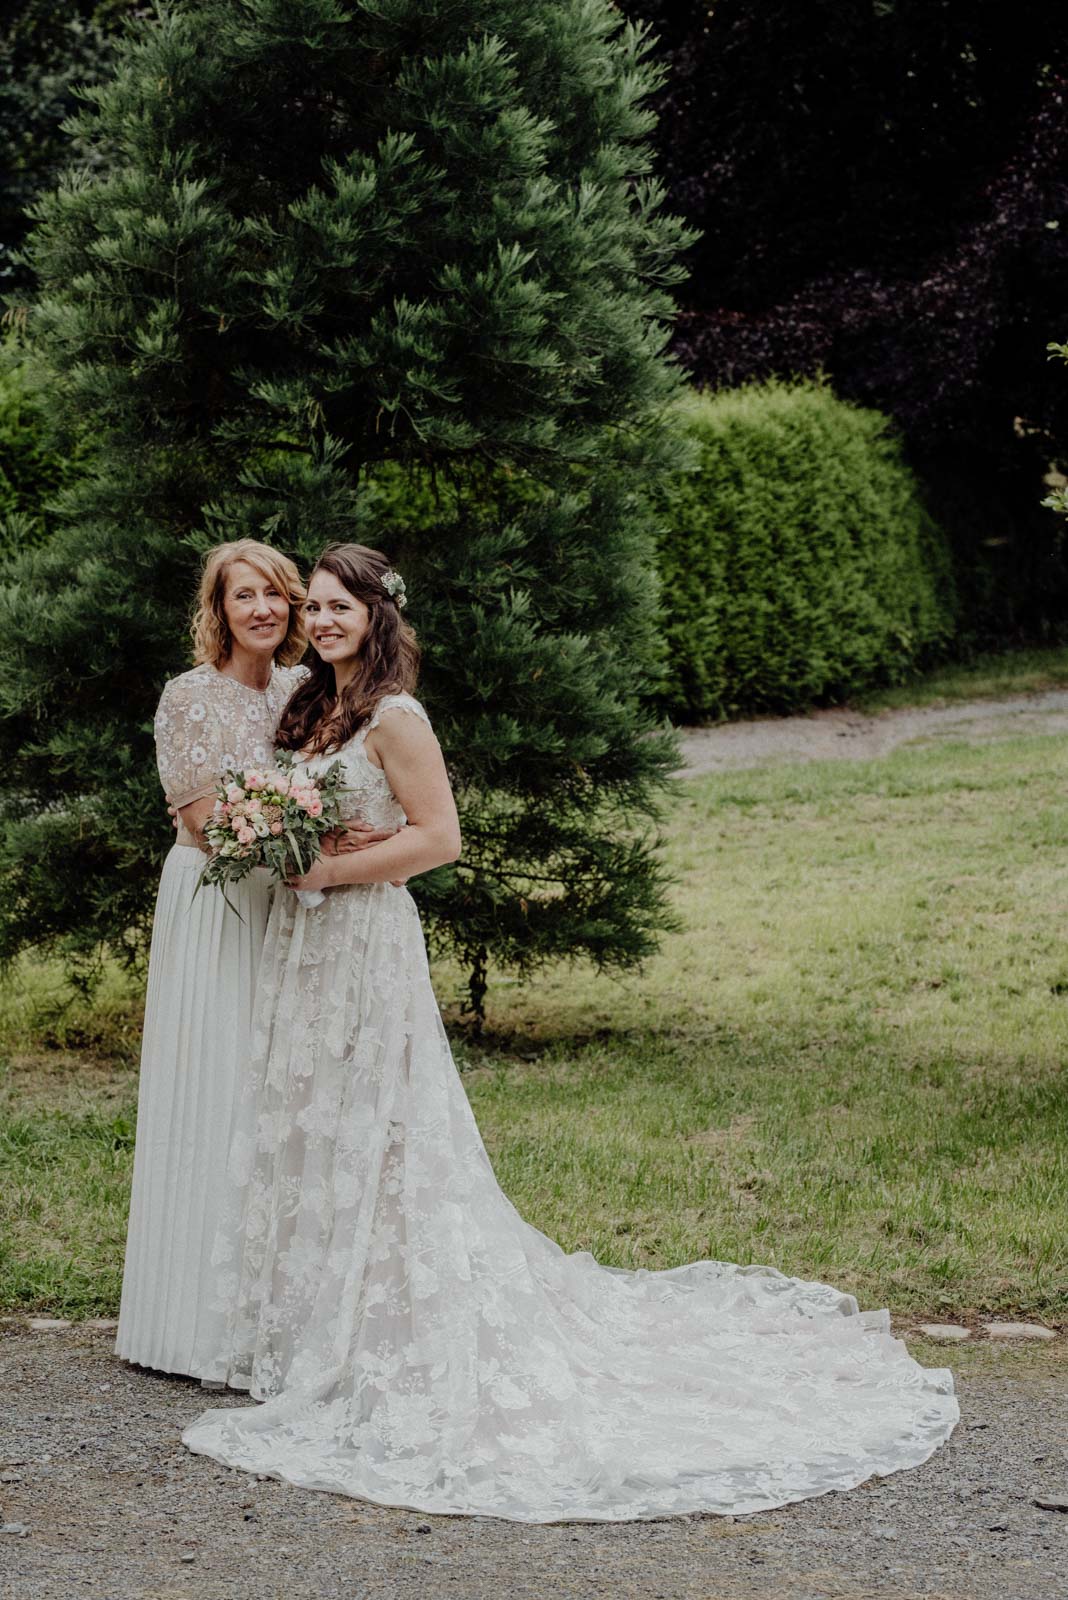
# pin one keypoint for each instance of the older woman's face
(256, 611)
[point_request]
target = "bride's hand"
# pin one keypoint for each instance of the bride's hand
(318, 876)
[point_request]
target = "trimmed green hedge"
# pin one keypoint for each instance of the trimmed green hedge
(797, 560)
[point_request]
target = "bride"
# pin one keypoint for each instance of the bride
(413, 1340)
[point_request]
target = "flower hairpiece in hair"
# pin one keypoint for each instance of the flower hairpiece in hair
(393, 584)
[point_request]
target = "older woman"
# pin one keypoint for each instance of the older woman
(204, 957)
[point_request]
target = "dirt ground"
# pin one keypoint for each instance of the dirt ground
(839, 735)
(102, 1500)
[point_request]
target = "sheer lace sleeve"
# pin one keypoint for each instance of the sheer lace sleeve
(189, 751)
(396, 702)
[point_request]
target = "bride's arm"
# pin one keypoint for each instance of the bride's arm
(412, 761)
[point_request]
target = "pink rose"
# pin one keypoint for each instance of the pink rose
(252, 807)
(281, 783)
(315, 806)
(234, 793)
(246, 835)
(255, 780)
(276, 828)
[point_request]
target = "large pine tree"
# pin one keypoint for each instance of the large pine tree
(385, 270)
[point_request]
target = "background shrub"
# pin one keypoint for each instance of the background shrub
(798, 561)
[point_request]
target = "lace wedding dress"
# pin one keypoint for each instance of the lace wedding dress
(416, 1343)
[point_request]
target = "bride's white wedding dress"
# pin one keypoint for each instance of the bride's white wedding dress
(418, 1344)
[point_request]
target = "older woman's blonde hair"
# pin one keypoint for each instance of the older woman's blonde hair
(212, 641)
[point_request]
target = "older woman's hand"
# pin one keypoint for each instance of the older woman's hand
(357, 835)
(354, 835)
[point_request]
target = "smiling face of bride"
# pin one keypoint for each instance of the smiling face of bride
(337, 624)
(362, 649)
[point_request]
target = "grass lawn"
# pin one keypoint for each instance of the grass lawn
(850, 1064)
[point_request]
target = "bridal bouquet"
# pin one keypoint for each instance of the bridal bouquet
(274, 819)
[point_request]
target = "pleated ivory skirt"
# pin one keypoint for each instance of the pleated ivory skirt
(201, 981)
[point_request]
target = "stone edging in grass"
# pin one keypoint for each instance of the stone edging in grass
(998, 1332)
(58, 1324)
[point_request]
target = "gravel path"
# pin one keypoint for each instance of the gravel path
(115, 1508)
(850, 735)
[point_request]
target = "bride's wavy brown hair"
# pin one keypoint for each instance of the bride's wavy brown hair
(315, 719)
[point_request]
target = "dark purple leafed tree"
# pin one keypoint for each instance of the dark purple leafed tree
(883, 194)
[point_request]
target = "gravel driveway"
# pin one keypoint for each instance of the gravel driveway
(113, 1506)
(851, 735)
